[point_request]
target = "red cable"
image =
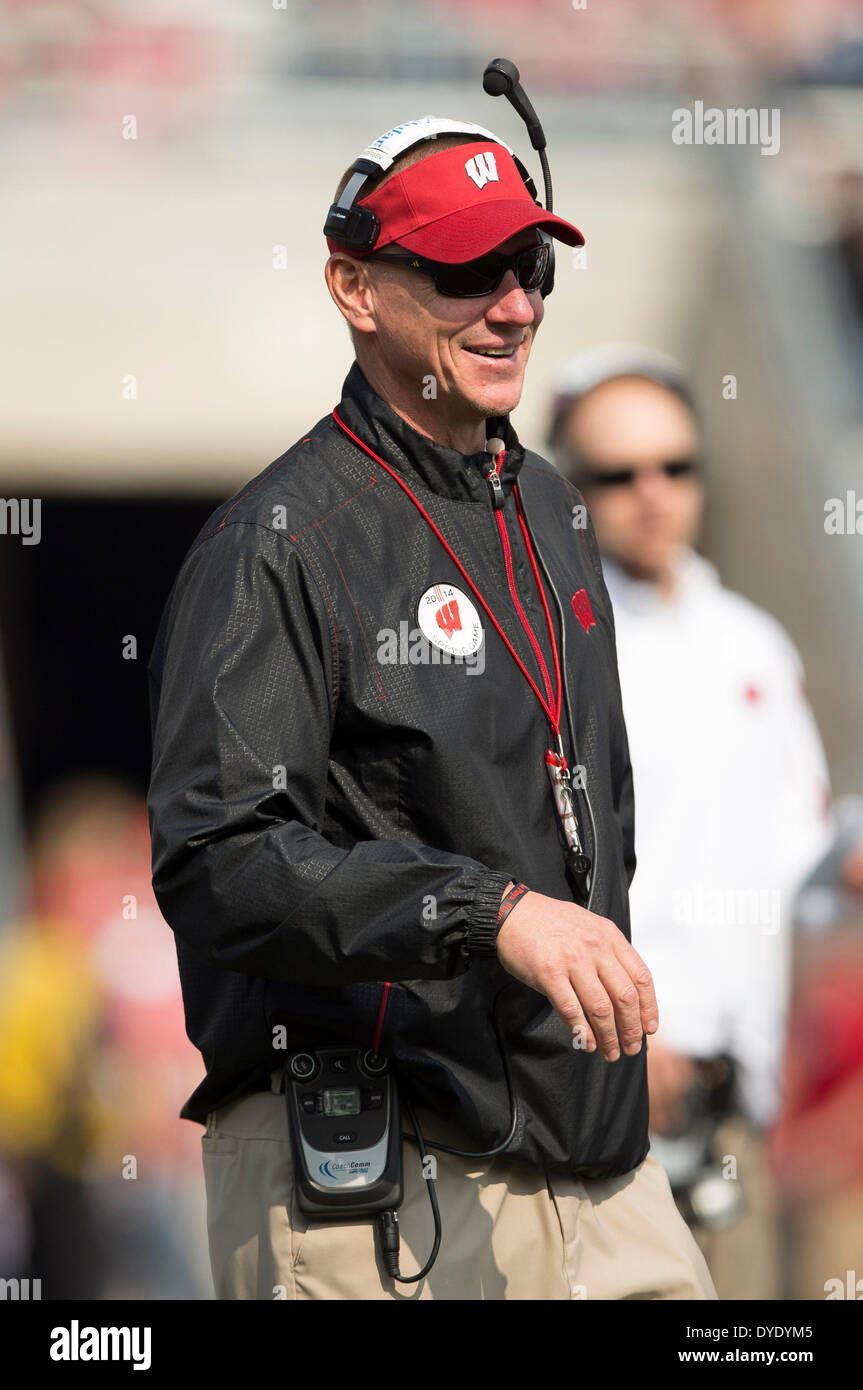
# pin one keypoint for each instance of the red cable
(544, 603)
(376, 1045)
(507, 554)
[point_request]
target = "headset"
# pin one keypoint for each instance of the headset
(356, 227)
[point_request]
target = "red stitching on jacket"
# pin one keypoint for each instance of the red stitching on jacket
(309, 561)
(372, 482)
(278, 463)
(383, 694)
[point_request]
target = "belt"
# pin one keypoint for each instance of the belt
(273, 1081)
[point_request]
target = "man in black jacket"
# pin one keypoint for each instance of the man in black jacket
(377, 820)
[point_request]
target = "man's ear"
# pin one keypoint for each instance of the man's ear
(349, 284)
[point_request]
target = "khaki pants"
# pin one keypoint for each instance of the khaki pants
(509, 1230)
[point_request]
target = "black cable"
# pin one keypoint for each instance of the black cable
(546, 178)
(513, 1103)
(388, 1221)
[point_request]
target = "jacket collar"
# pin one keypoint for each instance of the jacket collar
(416, 457)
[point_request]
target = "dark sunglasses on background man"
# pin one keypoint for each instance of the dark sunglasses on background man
(471, 279)
(625, 477)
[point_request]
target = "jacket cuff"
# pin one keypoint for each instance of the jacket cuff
(481, 938)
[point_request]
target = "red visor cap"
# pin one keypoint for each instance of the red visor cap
(459, 204)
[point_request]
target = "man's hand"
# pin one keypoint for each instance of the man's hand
(670, 1075)
(585, 967)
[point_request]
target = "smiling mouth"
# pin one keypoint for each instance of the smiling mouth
(494, 352)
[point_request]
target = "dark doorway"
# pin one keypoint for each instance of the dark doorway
(102, 571)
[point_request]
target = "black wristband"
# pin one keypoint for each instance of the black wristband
(510, 898)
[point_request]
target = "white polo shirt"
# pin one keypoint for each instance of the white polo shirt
(731, 812)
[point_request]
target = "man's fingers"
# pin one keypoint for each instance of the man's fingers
(643, 981)
(624, 995)
(566, 1003)
(583, 1039)
(600, 1013)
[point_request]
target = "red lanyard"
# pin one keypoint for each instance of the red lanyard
(555, 762)
(553, 715)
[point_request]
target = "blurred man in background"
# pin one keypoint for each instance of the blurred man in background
(731, 795)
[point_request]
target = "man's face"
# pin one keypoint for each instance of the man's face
(636, 424)
(421, 333)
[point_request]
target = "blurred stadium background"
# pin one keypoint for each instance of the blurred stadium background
(147, 264)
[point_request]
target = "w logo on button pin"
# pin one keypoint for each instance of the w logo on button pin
(448, 618)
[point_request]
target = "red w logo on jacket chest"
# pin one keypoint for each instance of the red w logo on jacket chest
(582, 609)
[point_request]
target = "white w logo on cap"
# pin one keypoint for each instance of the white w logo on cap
(482, 169)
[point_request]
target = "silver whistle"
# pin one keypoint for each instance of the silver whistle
(561, 785)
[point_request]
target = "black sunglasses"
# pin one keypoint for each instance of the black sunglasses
(472, 279)
(625, 477)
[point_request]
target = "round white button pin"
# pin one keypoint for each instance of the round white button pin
(449, 619)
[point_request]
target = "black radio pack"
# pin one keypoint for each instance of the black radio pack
(343, 1112)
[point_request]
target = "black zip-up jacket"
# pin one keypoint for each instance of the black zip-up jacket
(325, 819)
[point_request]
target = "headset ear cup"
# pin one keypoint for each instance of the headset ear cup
(357, 229)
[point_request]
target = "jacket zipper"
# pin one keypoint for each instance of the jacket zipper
(556, 764)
